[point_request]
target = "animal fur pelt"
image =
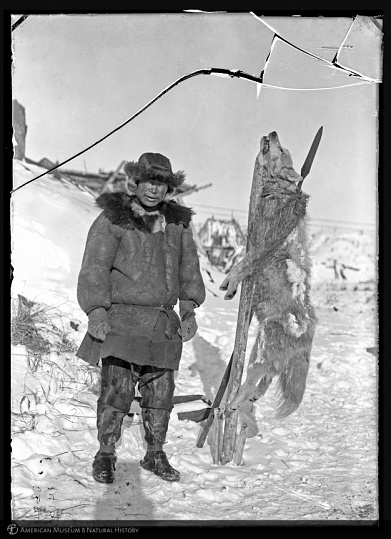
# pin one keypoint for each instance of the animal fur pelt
(122, 210)
(278, 261)
(142, 171)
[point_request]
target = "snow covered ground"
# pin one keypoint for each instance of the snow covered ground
(319, 464)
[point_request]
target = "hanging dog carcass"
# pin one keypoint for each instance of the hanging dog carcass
(278, 262)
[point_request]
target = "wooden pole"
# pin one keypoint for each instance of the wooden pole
(221, 432)
(110, 181)
(216, 437)
(216, 403)
(196, 237)
(240, 445)
(20, 129)
(243, 324)
(193, 189)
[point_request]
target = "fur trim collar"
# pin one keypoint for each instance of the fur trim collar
(122, 209)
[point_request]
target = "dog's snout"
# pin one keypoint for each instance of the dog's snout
(264, 144)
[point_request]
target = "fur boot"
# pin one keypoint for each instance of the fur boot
(155, 425)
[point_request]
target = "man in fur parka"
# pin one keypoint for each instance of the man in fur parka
(140, 258)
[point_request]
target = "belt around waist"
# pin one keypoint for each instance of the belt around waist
(163, 307)
(160, 307)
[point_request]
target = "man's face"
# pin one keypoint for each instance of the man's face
(151, 193)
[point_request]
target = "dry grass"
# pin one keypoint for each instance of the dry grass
(25, 330)
(31, 326)
(54, 378)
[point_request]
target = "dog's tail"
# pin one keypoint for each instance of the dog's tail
(291, 385)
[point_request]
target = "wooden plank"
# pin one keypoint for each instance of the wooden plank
(239, 354)
(177, 399)
(20, 129)
(216, 437)
(216, 403)
(243, 324)
(238, 453)
(107, 186)
(221, 431)
(195, 415)
(196, 237)
(195, 189)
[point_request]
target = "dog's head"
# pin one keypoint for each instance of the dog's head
(277, 160)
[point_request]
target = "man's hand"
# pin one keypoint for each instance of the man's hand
(188, 323)
(188, 329)
(98, 323)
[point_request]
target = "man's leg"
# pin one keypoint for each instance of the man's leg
(117, 393)
(157, 389)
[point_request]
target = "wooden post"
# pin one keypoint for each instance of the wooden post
(221, 432)
(243, 324)
(196, 237)
(216, 437)
(240, 445)
(108, 185)
(20, 129)
(216, 403)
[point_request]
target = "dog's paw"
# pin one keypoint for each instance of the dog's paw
(224, 284)
(230, 286)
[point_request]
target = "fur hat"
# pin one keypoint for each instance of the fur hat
(154, 166)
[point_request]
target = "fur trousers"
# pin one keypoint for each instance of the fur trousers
(118, 381)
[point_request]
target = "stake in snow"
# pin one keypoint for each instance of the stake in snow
(278, 264)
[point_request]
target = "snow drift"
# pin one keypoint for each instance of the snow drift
(320, 463)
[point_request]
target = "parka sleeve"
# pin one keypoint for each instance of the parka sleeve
(191, 285)
(94, 285)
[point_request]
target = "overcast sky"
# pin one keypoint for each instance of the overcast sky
(80, 76)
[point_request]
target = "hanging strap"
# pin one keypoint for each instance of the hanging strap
(154, 376)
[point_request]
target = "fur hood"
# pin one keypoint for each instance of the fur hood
(122, 209)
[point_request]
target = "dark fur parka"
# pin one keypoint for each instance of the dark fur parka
(119, 208)
(132, 270)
